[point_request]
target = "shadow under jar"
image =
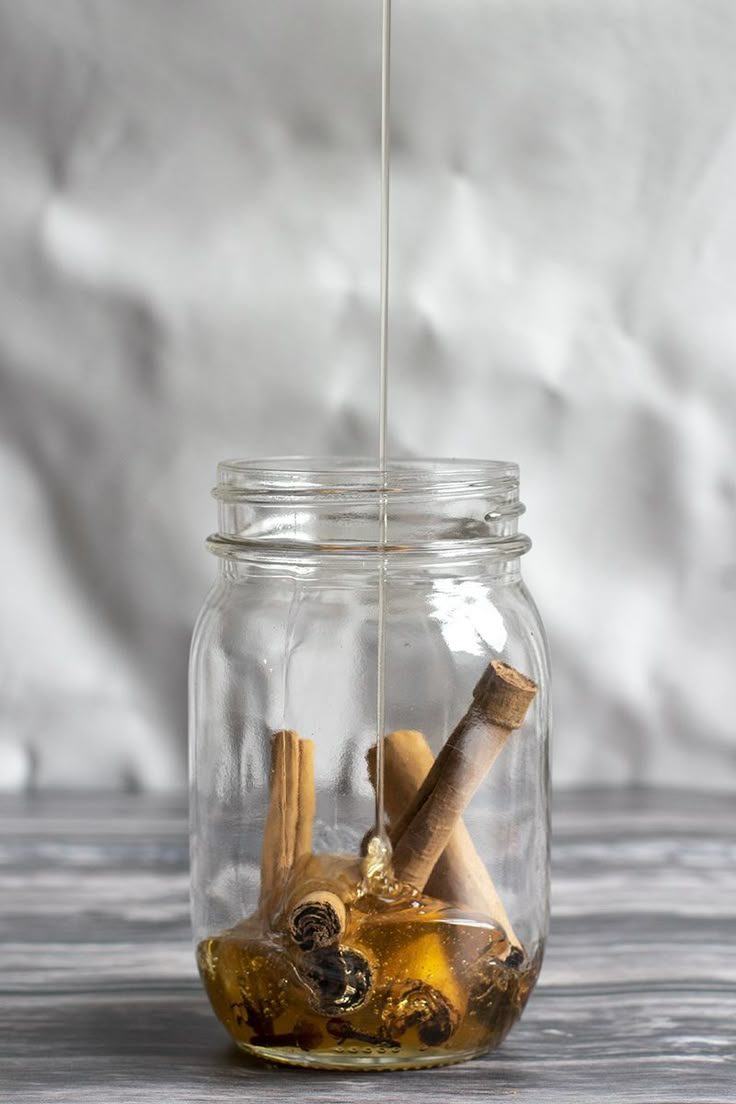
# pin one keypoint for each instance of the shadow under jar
(360, 904)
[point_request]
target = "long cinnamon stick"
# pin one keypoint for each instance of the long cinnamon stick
(306, 802)
(459, 876)
(279, 833)
(500, 703)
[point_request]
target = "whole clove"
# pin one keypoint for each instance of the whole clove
(303, 1037)
(344, 1031)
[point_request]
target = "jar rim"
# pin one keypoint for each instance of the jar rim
(361, 476)
(310, 505)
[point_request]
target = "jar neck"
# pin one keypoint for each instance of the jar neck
(293, 506)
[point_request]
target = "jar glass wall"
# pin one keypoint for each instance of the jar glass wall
(332, 932)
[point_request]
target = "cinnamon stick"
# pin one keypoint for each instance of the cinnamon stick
(321, 889)
(459, 876)
(307, 799)
(279, 833)
(500, 703)
(318, 897)
(318, 920)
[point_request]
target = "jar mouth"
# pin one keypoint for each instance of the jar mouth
(297, 505)
(360, 478)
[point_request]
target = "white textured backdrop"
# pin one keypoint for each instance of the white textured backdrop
(189, 249)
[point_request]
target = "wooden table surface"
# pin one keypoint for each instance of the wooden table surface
(99, 1000)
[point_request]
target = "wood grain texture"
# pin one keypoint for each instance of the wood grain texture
(99, 999)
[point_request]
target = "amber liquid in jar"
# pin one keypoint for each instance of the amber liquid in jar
(412, 982)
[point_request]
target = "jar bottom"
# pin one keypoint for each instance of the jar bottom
(362, 1062)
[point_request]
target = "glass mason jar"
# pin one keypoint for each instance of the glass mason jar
(364, 903)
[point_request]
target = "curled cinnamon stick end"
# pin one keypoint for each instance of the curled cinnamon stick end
(415, 1004)
(339, 978)
(503, 695)
(318, 920)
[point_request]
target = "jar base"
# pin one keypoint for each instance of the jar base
(361, 1062)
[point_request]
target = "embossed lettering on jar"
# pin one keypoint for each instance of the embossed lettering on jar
(356, 902)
